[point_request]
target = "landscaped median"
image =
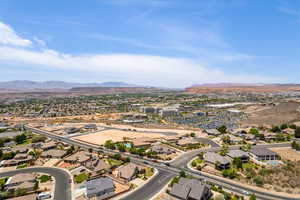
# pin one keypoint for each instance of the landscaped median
(246, 188)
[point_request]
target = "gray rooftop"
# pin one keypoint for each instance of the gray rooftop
(189, 189)
(237, 154)
(213, 157)
(262, 152)
(97, 185)
(180, 191)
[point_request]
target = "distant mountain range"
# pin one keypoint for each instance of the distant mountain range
(242, 87)
(24, 85)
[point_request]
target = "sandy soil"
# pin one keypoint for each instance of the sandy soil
(287, 153)
(99, 138)
(285, 112)
(120, 187)
(51, 162)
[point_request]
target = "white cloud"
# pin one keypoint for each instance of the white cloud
(145, 69)
(39, 42)
(9, 37)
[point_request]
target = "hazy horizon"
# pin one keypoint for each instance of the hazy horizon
(161, 43)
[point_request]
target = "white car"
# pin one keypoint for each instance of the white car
(44, 195)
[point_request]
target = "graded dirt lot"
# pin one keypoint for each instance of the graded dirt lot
(286, 112)
(99, 138)
(287, 153)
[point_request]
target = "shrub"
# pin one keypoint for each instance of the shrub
(258, 181)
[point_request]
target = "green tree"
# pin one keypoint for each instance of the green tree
(20, 139)
(295, 145)
(275, 129)
(297, 132)
(226, 139)
(258, 181)
(109, 144)
(127, 159)
(229, 173)
(283, 126)
(292, 126)
(252, 197)
(182, 174)
(1, 142)
(222, 129)
(224, 150)
(121, 147)
(254, 131)
(117, 156)
(174, 180)
(238, 163)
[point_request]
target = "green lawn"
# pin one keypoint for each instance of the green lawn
(114, 162)
(81, 178)
(149, 172)
(44, 178)
(22, 166)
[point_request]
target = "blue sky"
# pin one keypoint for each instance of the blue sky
(171, 43)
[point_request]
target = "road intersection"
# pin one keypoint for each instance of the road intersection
(167, 172)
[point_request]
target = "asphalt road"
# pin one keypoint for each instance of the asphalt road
(167, 172)
(152, 187)
(63, 180)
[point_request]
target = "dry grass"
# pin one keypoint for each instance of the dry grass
(287, 153)
(285, 112)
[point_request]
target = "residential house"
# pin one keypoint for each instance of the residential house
(90, 126)
(233, 139)
(221, 162)
(289, 131)
(173, 138)
(263, 154)
(81, 157)
(244, 156)
(48, 145)
(127, 172)
(21, 149)
(19, 159)
(212, 132)
(187, 141)
(9, 144)
(269, 136)
(21, 181)
(100, 188)
(191, 189)
(97, 165)
(53, 153)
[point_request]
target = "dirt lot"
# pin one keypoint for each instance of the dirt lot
(286, 112)
(99, 138)
(287, 153)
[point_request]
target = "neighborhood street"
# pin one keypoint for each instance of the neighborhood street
(167, 172)
(63, 179)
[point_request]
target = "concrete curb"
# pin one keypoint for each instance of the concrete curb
(137, 188)
(248, 187)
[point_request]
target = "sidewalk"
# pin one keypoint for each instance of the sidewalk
(137, 188)
(228, 181)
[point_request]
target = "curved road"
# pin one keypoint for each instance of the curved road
(167, 172)
(63, 179)
(152, 187)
